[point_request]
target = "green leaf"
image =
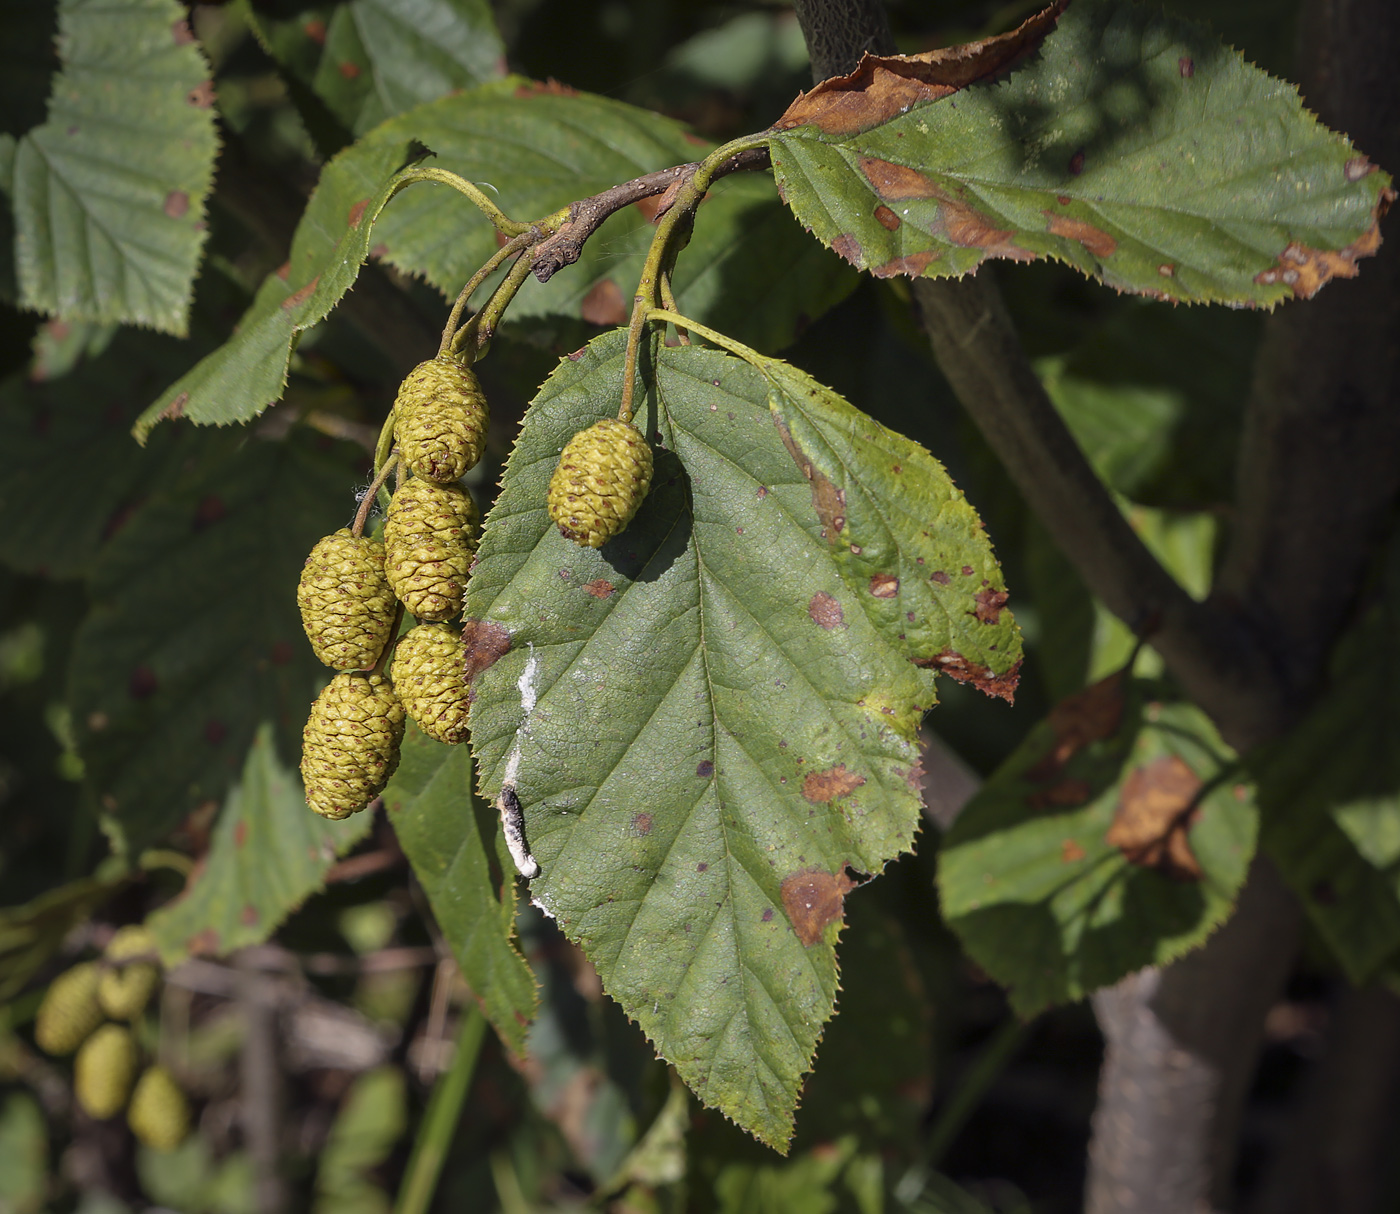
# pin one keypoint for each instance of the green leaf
(194, 637)
(751, 268)
(368, 60)
(267, 854)
(24, 1154)
(449, 836)
(1110, 840)
(1330, 792)
(1131, 145)
(371, 1120)
(710, 719)
(108, 194)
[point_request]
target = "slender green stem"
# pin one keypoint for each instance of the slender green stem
(499, 219)
(668, 298)
(990, 1063)
(514, 245)
(481, 326)
(440, 1121)
(384, 446)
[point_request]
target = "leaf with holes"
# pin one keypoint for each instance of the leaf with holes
(752, 270)
(1127, 143)
(194, 637)
(108, 194)
(368, 60)
(1111, 839)
(1331, 792)
(267, 855)
(710, 722)
(449, 836)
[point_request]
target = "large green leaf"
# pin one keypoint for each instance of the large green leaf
(750, 269)
(710, 722)
(268, 853)
(449, 836)
(368, 60)
(108, 194)
(194, 636)
(1330, 791)
(1112, 839)
(1132, 145)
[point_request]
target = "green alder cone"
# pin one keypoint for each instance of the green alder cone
(350, 746)
(124, 992)
(103, 1071)
(428, 675)
(70, 1010)
(429, 541)
(159, 1115)
(346, 605)
(440, 420)
(604, 473)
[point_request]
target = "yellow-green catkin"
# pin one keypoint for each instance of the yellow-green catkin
(70, 1010)
(103, 1071)
(602, 477)
(346, 605)
(124, 990)
(429, 541)
(428, 675)
(159, 1115)
(350, 746)
(440, 419)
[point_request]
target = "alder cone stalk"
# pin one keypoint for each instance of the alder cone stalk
(70, 1010)
(346, 605)
(603, 474)
(103, 1071)
(124, 992)
(440, 420)
(428, 675)
(159, 1115)
(429, 540)
(350, 746)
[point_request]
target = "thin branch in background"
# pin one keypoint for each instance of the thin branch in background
(260, 1085)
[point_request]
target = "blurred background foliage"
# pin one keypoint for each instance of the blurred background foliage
(311, 1054)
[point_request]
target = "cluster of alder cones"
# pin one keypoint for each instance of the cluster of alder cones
(90, 1008)
(352, 584)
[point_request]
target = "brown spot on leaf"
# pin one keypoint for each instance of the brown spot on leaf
(884, 585)
(883, 86)
(897, 182)
(1166, 269)
(177, 204)
(1307, 270)
(990, 604)
(1088, 716)
(315, 29)
(968, 228)
(240, 832)
(300, 296)
(1061, 795)
(1152, 819)
(603, 304)
(955, 666)
(201, 96)
(1070, 852)
(283, 270)
(705, 769)
(826, 611)
(828, 500)
(848, 247)
(886, 218)
(814, 899)
(641, 824)
(1076, 163)
(203, 944)
(349, 70)
(545, 88)
(940, 577)
(599, 588)
(1097, 241)
(176, 407)
(357, 212)
(767, 916)
(1358, 167)
(1186, 66)
(248, 916)
(483, 643)
(142, 684)
(913, 265)
(182, 33)
(820, 787)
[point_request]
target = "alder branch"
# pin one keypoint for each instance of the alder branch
(587, 215)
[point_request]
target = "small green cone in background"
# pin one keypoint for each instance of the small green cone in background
(124, 992)
(350, 746)
(428, 675)
(603, 474)
(440, 420)
(159, 1115)
(429, 541)
(346, 605)
(103, 1071)
(70, 1010)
